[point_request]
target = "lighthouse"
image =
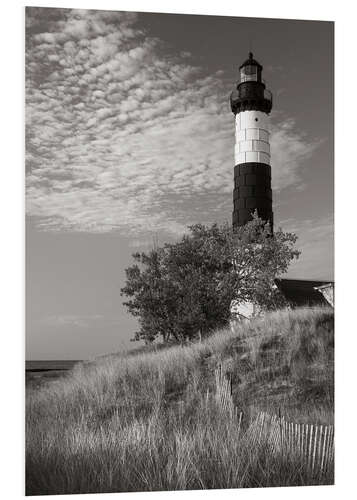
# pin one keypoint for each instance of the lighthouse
(251, 104)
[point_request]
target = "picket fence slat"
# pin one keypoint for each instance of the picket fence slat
(323, 450)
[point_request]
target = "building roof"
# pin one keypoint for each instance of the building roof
(302, 292)
(325, 285)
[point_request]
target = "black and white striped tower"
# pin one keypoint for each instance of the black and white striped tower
(251, 104)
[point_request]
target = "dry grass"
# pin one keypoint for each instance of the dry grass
(144, 422)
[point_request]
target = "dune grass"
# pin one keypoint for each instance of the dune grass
(150, 422)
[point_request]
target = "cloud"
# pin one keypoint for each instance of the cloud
(124, 135)
(78, 321)
(316, 243)
(69, 320)
(289, 150)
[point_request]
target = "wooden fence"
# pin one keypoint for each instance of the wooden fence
(312, 444)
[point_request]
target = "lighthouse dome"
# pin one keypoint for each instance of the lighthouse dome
(251, 62)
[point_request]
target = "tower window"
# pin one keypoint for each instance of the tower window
(249, 73)
(256, 119)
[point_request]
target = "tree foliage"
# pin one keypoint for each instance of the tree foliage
(183, 289)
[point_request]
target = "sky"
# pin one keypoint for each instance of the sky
(130, 138)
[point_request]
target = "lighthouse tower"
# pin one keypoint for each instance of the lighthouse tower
(251, 104)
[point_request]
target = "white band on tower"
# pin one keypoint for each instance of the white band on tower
(252, 138)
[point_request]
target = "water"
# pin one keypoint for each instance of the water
(45, 371)
(47, 365)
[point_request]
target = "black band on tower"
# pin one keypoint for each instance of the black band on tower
(252, 191)
(251, 96)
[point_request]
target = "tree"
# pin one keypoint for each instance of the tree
(185, 289)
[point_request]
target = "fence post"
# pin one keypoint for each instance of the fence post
(314, 452)
(323, 451)
(310, 446)
(281, 432)
(320, 446)
(306, 450)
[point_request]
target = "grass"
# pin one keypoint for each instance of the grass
(145, 423)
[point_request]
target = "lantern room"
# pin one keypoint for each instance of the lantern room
(250, 92)
(250, 70)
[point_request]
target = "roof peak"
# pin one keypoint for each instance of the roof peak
(251, 61)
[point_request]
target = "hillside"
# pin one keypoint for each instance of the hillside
(151, 421)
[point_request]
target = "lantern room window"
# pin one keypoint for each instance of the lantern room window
(249, 73)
